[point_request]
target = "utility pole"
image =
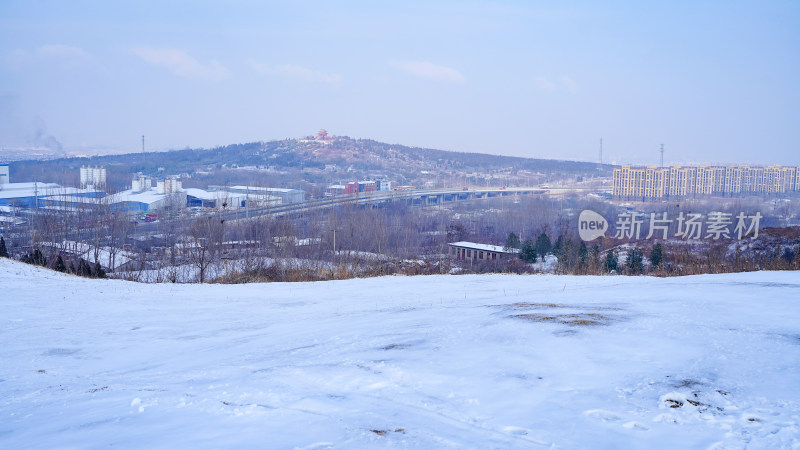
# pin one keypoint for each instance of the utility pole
(35, 213)
(142, 143)
(662, 155)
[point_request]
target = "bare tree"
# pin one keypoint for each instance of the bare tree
(205, 242)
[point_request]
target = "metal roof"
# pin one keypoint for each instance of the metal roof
(484, 247)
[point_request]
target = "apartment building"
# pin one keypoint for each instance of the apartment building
(652, 182)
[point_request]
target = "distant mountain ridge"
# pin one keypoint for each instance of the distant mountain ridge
(360, 157)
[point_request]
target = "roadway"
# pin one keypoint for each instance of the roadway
(420, 197)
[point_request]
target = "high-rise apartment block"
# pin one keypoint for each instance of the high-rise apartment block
(652, 183)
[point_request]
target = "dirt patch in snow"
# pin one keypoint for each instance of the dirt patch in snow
(525, 305)
(383, 432)
(581, 319)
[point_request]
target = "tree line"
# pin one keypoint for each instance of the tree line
(363, 240)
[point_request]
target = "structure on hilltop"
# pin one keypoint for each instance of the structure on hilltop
(322, 135)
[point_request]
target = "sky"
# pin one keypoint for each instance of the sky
(713, 81)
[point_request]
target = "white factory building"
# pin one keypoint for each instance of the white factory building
(264, 196)
(143, 196)
(25, 195)
(216, 199)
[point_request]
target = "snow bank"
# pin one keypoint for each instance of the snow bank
(488, 361)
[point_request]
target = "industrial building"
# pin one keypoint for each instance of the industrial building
(22, 195)
(36, 194)
(150, 200)
(654, 183)
(143, 196)
(471, 251)
(355, 187)
(263, 195)
(220, 199)
(26, 195)
(170, 193)
(335, 189)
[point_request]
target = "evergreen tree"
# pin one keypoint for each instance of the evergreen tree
(512, 242)
(3, 249)
(634, 263)
(456, 232)
(38, 259)
(83, 268)
(657, 255)
(583, 255)
(59, 265)
(611, 261)
(71, 268)
(543, 245)
(558, 247)
(788, 255)
(528, 251)
(98, 271)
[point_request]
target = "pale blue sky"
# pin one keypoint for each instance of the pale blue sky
(713, 81)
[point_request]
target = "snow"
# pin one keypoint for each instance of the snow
(205, 195)
(12, 220)
(148, 196)
(478, 361)
(30, 189)
(547, 265)
(261, 189)
(105, 256)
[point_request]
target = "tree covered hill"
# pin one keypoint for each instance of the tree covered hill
(343, 155)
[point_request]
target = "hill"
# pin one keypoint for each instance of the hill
(491, 361)
(295, 160)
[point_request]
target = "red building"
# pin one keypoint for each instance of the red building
(322, 135)
(351, 188)
(367, 186)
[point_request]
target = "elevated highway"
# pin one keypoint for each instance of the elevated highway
(416, 197)
(419, 197)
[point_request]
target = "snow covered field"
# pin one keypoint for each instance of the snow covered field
(484, 361)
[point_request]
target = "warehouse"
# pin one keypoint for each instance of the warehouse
(26, 195)
(265, 195)
(471, 251)
(216, 199)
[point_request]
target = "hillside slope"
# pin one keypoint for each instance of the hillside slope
(492, 361)
(343, 157)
